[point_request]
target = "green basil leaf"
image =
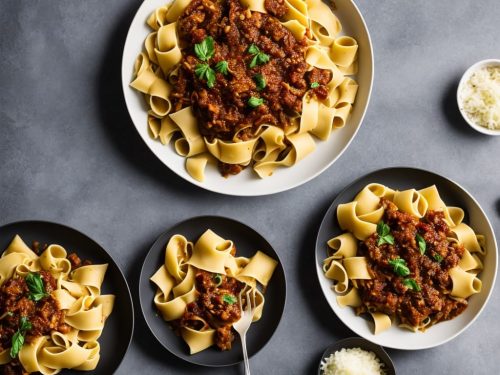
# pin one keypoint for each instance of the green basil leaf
(222, 67)
(35, 286)
(253, 49)
(314, 85)
(421, 243)
(254, 102)
(205, 50)
(17, 344)
(438, 258)
(253, 63)
(229, 299)
(399, 267)
(412, 284)
(262, 58)
(260, 81)
(204, 71)
(210, 74)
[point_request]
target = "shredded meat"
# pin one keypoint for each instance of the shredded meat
(223, 111)
(386, 291)
(215, 307)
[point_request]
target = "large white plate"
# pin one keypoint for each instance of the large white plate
(453, 195)
(248, 183)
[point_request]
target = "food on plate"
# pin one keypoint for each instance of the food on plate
(199, 286)
(245, 83)
(52, 311)
(404, 256)
(352, 361)
(480, 97)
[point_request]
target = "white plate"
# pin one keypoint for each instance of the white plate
(248, 183)
(453, 195)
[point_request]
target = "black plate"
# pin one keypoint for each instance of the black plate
(118, 329)
(358, 342)
(247, 242)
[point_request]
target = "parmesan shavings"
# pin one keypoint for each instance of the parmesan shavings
(353, 361)
(480, 97)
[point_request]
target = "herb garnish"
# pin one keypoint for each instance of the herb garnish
(229, 299)
(412, 284)
(259, 58)
(399, 267)
(205, 50)
(18, 337)
(438, 258)
(421, 243)
(218, 279)
(222, 67)
(36, 287)
(204, 71)
(314, 85)
(260, 81)
(384, 236)
(255, 102)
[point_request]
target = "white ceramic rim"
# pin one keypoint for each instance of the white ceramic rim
(373, 338)
(220, 188)
(463, 80)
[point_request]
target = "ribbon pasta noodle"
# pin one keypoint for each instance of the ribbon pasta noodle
(246, 135)
(199, 284)
(56, 305)
(404, 257)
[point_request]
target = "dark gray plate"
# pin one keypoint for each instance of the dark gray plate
(358, 342)
(247, 242)
(117, 333)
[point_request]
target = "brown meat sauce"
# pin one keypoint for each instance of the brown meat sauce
(214, 311)
(386, 292)
(223, 111)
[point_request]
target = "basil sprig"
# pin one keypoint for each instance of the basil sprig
(259, 58)
(205, 50)
(18, 337)
(438, 258)
(384, 234)
(229, 299)
(399, 267)
(204, 71)
(36, 287)
(260, 81)
(422, 246)
(222, 67)
(254, 102)
(412, 284)
(314, 85)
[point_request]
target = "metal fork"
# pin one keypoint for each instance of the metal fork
(242, 325)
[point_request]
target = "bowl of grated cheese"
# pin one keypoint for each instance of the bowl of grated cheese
(478, 96)
(355, 356)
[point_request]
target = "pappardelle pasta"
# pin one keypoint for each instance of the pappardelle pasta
(52, 312)
(244, 82)
(199, 285)
(405, 257)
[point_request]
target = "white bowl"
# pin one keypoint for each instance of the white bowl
(454, 195)
(247, 183)
(463, 81)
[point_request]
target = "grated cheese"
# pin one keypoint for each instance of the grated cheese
(480, 97)
(354, 361)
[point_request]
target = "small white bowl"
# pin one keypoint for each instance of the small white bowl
(465, 78)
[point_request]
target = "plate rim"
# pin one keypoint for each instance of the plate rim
(417, 170)
(142, 273)
(254, 193)
(132, 310)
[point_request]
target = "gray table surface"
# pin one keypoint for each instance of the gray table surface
(69, 153)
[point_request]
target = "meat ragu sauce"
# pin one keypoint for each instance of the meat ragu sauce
(217, 304)
(387, 293)
(223, 111)
(44, 315)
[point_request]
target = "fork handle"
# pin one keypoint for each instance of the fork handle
(245, 354)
